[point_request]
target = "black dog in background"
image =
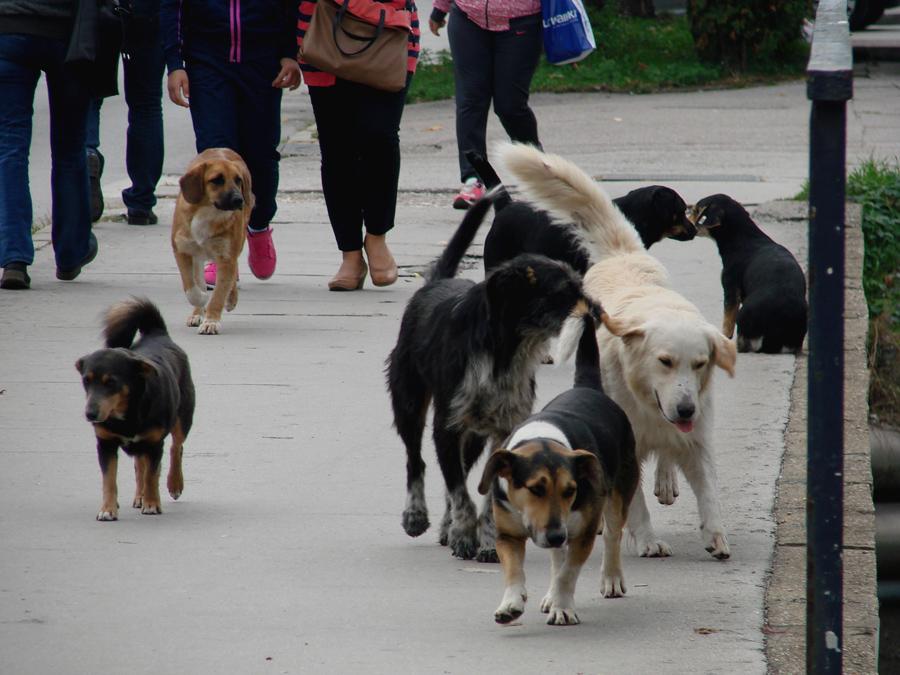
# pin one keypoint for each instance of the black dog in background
(472, 349)
(655, 211)
(764, 286)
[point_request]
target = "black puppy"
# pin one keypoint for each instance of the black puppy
(764, 287)
(137, 394)
(561, 473)
(471, 349)
(518, 227)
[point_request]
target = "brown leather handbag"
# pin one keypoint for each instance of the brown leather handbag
(361, 41)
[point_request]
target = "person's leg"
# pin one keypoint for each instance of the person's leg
(144, 150)
(95, 159)
(378, 120)
(18, 78)
(213, 103)
(471, 47)
(335, 110)
(73, 242)
(516, 56)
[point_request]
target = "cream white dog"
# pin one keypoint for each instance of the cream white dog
(660, 369)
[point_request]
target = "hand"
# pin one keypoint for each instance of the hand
(436, 26)
(289, 75)
(179, 88)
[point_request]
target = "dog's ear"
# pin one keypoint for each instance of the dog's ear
(724, 352)
(707, 214)
(588, 469)
(630, 333)
(145, 367)
(192, 184)
(79, 365)
(247, 188)
(499, 463)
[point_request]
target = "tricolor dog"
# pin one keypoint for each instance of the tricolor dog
(559, 475)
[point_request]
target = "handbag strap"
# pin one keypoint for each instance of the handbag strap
(338, 18)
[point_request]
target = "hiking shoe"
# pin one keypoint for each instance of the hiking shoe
(95, 164)
(471, 192)
(136, 217)
(15, 277)
(262, 253)
(209, 275)
(70, 274)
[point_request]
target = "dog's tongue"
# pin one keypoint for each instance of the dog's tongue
(685, 426)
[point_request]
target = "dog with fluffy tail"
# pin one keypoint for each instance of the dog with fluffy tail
(659, 368)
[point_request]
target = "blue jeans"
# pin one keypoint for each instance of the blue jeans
(234, 105)
(22, 58)
(144, 149)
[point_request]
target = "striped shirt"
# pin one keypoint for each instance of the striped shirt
(315, 77)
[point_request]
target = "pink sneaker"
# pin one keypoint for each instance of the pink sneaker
(470, 193)
(262, 253)
(209, 275)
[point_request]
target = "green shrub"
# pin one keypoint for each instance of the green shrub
(748, 34)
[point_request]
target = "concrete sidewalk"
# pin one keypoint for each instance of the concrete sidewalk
(285, 554)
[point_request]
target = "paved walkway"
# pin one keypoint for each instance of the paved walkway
(285, 553)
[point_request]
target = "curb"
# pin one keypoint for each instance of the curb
(785, 601)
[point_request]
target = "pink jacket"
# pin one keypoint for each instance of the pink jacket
(492, 15)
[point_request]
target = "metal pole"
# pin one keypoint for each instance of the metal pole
(830, 86)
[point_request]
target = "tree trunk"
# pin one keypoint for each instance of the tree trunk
(642, 8)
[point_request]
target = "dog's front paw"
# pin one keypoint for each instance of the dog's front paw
(612, 586)
(463, 543)
(415, 521)
(197, 296)
(716, 544)
(666, 487)
(151, 509)
(512, 605)
(175, 485)
(195, 319)
(107, 514)
(560, 611)
(208, 327)
(487, 555)
(137, 503)
(654, 548)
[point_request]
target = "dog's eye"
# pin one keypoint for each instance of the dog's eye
(537, 490)
(569, 492)
(666, 361)
(699, 365)
(217, 180)
(237, 180)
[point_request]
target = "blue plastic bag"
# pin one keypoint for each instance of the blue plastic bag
(568, 36)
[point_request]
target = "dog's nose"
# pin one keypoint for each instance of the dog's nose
(236, 201)
(556, 538)
(91, 414)
(685, 410)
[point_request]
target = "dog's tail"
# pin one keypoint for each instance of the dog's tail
(125, 319)
(558, 186)
(489, 178)
(446, 266)
(587, 358)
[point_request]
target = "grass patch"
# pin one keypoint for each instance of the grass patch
(633, 55)
(875, 185)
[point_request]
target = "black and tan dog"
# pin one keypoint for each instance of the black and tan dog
(210, 223)
(764, 286)
(560, 473)
(137, 394)
(471, 349)
(655, 211)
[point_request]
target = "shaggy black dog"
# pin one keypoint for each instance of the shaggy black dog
(764, 286)
(471, 349)
(655, 211)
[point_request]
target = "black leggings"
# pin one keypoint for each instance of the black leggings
(359, 138)
(498, 66)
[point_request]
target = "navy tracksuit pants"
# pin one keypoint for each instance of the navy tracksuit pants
(234, 105)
